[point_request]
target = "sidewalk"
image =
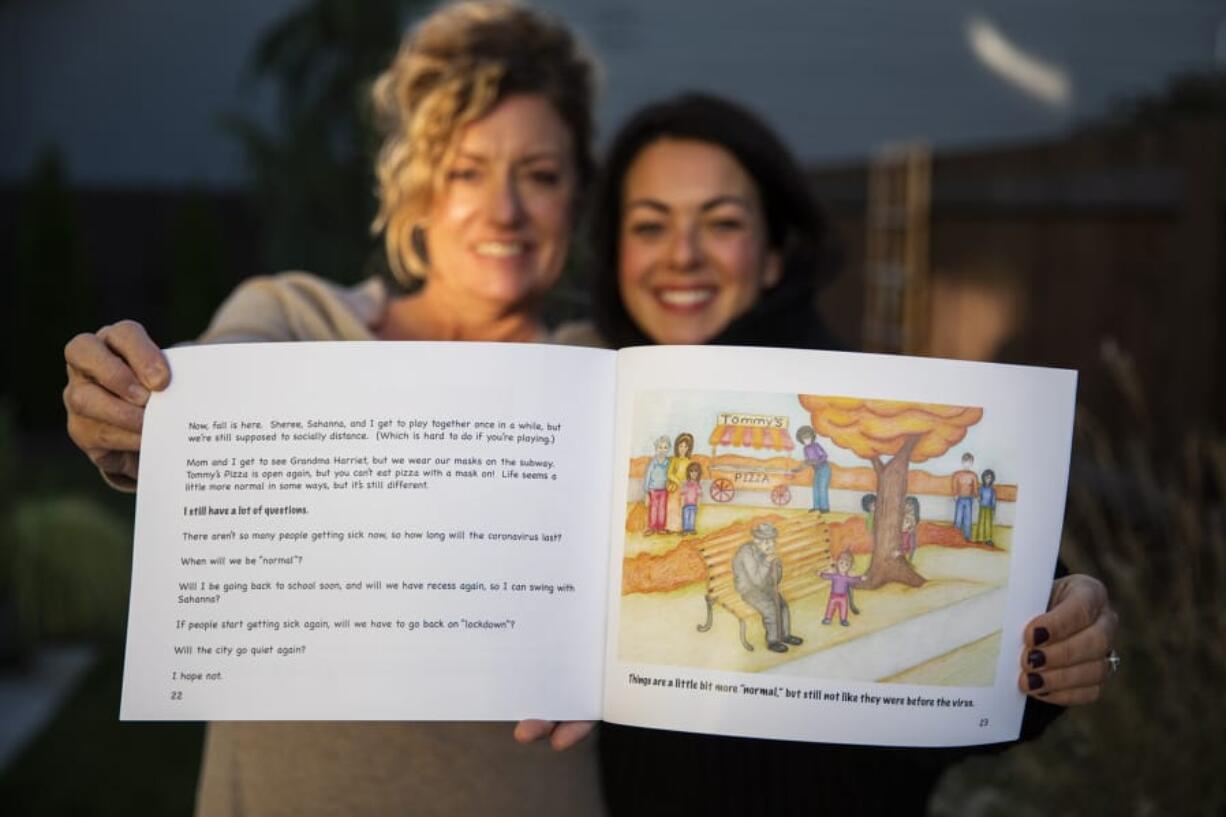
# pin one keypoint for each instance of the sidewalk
(907, 644)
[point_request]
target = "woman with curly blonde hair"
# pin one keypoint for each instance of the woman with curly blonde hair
(453, 70)
(486, 119)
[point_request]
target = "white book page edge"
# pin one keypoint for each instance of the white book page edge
(531, 650)
(1035, 404)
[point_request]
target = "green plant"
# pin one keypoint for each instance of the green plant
(312, 172)
(199, 266)
(51, 292)
(1147, 514)
(64, 561)
(69, 567)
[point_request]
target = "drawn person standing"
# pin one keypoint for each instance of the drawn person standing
(966, 487)
(868, 504)
(690, 493)
(655, 488)
(985, 524)
(841, 582)
(815, 456)
(677, 468)
(910, 530)
(756, 575)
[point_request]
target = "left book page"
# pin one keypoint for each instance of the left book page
(372, 531)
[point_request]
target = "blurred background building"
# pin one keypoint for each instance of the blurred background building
(153, 155)
(1036, 183)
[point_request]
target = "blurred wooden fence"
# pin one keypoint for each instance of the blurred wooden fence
(1102, 241)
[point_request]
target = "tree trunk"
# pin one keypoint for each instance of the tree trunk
(886, 566)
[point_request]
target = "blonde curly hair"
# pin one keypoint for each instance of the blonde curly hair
(452, 69)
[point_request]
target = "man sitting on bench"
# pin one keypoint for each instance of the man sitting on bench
(756, 575)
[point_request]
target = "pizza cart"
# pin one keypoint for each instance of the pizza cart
(732, 474)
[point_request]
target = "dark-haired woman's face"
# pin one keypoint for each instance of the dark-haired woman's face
(693, 250)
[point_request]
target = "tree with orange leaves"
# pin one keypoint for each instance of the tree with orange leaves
(904, 432)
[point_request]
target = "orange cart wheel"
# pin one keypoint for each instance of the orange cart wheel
(781, 495)
(722, 490)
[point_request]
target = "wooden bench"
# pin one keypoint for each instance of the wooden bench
(803, 545)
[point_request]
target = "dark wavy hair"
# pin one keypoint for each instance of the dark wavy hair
(784, 315)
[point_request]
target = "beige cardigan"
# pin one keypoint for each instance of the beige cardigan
(355, 769)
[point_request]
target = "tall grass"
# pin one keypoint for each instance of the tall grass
(1147, 515)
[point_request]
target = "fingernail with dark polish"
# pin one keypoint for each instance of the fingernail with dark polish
(1036, 658)
(1034, 681)
(1041, 635)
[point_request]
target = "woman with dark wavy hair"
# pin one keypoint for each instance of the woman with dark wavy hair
(764, 295)
(705, 231)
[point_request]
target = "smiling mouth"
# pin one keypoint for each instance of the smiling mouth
(685, 299)
(501, 249)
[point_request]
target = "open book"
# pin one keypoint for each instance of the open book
(771, 543)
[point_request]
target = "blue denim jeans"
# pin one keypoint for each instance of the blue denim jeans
(821, 487)
(963, 506)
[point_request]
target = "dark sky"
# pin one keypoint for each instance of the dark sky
(131, 90)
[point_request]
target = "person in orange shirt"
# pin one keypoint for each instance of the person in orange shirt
(966, 485)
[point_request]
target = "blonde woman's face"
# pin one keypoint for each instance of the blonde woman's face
(499, 231)
(693, 253)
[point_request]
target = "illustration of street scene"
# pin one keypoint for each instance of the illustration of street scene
(830, 537)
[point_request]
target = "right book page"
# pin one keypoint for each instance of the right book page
(828, 546)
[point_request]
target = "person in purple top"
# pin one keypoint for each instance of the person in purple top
(841, 583)
(815, 456)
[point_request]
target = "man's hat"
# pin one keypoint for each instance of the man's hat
(764, 530)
